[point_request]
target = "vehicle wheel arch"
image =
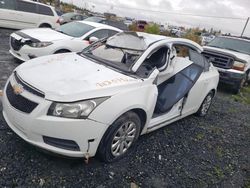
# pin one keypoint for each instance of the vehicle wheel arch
(248, 75)
(210, 92)
(63, 50)
(213, 91)
(139, 112)
(45, 25)
(142, 115)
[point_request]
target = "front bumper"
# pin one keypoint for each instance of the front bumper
(231, 76)
(34, 127)
(26, 53)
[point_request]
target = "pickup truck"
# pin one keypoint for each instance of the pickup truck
(231, 56)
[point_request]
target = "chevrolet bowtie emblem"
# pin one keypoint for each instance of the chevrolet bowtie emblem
(18, 89)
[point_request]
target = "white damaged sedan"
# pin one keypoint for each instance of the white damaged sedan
(99, 101)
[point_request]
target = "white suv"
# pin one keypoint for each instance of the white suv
(20, 14)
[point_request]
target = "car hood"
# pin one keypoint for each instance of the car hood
(70, 77)
(43, 34)
(236, 55)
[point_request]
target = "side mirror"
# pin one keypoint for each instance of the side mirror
(93, 39)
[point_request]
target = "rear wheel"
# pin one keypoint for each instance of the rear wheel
(120, 137)
(206, 104)
(45, 26)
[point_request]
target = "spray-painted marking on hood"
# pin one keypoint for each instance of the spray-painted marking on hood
(114, 81)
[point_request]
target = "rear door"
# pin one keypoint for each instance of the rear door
(27, 16)
(8, 13)
(174, 90)
(198, 91)
(47, 15)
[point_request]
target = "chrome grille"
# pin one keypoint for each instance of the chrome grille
(18, 101)
(27, 87)
(16, 44)
(219, 60)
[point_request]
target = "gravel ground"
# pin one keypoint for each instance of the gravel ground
(194, 152)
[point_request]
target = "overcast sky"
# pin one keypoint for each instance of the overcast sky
(222, 8)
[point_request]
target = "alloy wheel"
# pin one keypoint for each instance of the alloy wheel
(206, 104)
(123, 138)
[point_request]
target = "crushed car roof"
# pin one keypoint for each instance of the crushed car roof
(134, 40)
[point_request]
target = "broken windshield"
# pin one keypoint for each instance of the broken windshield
(128, 40)
(120, 51)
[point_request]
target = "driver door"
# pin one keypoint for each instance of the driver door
(173, 92)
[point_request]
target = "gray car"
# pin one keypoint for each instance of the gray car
(71, 16)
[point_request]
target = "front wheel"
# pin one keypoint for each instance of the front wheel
(120, 137)
(206, 104)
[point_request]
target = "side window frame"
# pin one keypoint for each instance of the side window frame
(51, 13)
(14, 4)
(183, 75)
(112, 32)
(33, 11)
(92, 34)
(167, 57)
(204, 63)
(144, 72)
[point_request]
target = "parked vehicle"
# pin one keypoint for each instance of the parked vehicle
(177, 32)
(20, 14)
(117, 24)
(128, 22)
(96, 19)
(206, 38)
(162, 28)
(71, 16)
(141, 24)
(231, 55)
(71, 37)
(100, 101)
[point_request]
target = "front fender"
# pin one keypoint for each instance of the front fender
(143, 98)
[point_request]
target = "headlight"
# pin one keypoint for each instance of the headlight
(40, 44)
(78, 110)
(239, 66)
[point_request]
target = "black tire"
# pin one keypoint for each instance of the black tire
(62, 51)
(106, 152)
(45, 26)
(205, 105)
(236, 89)
(18, 61)
(247, 78)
